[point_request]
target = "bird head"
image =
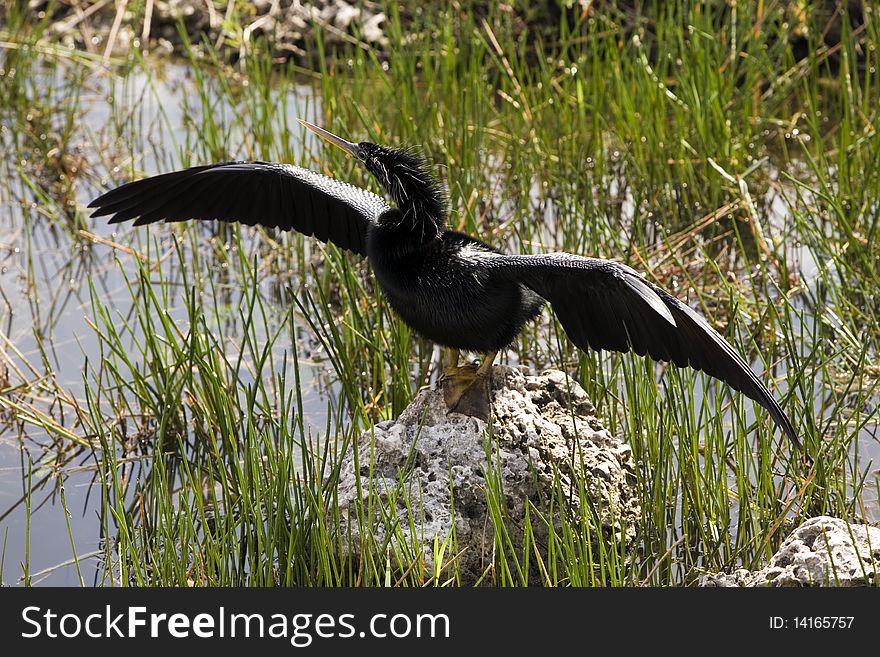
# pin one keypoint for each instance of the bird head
(403, 172)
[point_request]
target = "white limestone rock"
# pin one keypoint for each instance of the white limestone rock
(544, 426)
(823, 551)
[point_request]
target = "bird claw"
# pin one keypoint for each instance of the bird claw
(466, 390)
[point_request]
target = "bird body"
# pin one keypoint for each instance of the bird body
(440, 291)
(449, 287)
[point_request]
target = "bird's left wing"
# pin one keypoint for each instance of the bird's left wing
(272, 195)
(606, 305)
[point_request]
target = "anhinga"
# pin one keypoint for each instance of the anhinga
(453, 289)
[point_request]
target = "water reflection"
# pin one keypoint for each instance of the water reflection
(48, 342)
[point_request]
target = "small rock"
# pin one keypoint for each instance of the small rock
(739, 577)
(823, 551)
(345, 14)
(373, 30)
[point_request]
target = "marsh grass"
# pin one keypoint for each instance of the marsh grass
(223, 371)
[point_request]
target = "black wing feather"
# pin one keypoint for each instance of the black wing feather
(606, 305)
(272, 195)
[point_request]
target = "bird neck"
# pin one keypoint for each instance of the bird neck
(403, 231)
(420, 197)
(424, 224)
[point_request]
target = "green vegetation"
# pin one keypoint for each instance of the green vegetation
(200, 381)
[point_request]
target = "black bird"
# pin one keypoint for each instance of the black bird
(453, 289)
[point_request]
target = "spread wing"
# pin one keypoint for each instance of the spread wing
(272, 195)
(606, 305)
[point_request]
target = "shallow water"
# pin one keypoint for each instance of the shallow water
(46, 308)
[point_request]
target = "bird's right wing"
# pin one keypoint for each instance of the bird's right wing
(606, 305)
(272, 195)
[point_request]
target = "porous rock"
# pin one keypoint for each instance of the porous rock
(288, 25)
(823, 551)
(544, 428)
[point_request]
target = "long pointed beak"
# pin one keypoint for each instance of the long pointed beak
(347, 146)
